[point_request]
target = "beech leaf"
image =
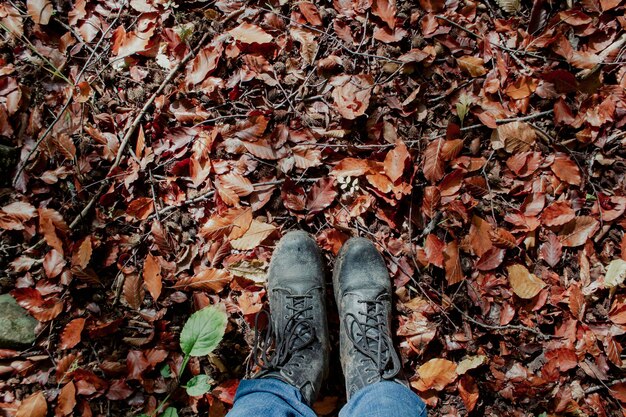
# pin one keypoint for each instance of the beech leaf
(524, 284)
(152, 276)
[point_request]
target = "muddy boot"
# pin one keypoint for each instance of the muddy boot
(363, 294)
(295, 347)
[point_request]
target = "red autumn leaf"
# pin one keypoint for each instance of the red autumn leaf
(141, 208)
(491, 259)
(433, 247)
(551, 250)
(431, 201)
(33, 406)
(469, 392)
(557, 214)
(566, 169)
(310, 13)
(203, 64)
(136, 364)
(133, 291)
(66, 400)
(480, 235)
(71, 333)
(396, 160)
(119, 390)
(618, 391)
(152, 276)
(210, 279)
(433, 164)
(322, 194)
(564, 359)
(386, 10)
(452, 263)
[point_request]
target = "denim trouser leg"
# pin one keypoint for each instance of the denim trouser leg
(384, 399)
(268, 398)
(271, 397)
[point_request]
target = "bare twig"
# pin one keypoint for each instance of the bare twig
(524, 118)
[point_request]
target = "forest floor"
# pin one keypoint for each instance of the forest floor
(161, 148)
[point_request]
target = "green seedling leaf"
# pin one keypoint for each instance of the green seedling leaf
(198, 385)
(203, 331)
(166, 372)
(170, 412)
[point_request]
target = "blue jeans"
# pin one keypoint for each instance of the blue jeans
(274, 398)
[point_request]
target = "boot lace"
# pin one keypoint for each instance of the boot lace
(370, 337)
(276, 348)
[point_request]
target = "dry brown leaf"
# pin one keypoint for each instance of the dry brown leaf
(557, 214)
(253, 237)
(351, 94)
(566, 169)
(576, 232)
(435, 374)
(152, 276)
(472, 65)
(433, 164)
(33, 406)
(514, 137)
(133, 291)
(71, 333)
(40, 11)
(66, 400)
(210, 279)
(396, 161)
(523, 283)
(82, 255)
(249, 33)
(452, 263)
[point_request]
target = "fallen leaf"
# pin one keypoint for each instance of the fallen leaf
(40, 11)
(351, 94)
(253, 237)
(33, 406)
(53, 263)
(472, 65)
(557, 214)
(310, 13)
(70, 336)
(66, 400)
(551, 250)
(523, 87)
(82, 255)
(396, 161)
(452, 263)
(210, 279)
(152, 276)
(524, 284)
(435, 374)
(469, 392)
(615, 273)
(386, 10)
(433, 165)
(133, 291)
(322, 195)
(577, 231)
(249, 33)
(566, 169)
(514, 137)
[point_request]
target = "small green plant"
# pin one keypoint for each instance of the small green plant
(463, 106)
(201, 334)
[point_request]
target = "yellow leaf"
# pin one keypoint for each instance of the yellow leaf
(524, 284)
(435, 374)
(615, 273)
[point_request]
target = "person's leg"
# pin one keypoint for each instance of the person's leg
(383, 399)
(268, 397)
(292, 358)
(375, 385)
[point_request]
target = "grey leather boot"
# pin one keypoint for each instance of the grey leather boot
(295, 347)
(363, 294)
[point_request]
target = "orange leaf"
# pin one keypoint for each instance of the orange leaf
(133, 291)
(140, 208)
(514, 137)
(33, 406)
(51, 221)
(67, 400)
(310, 13)
(351, 94)
(433, 162)
(71, 334)
(40, 11)
(248, 33)
(433, 247)
(210, 279)
(386, 10)
(396, 160)
(523, 87)
(523, 283)
(435, 374)
(468, 390)
(253, 237)
(351, 167)
(480, 235)
(152, 276)
(557, 214)
(452, 263)
(306, 157)
(566, 169)
(472, 65)
(82, 255)
(237, 183)
(576, 232)
(551, 250)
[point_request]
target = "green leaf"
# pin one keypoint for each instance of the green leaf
(198, 385)
(203, 331)
(166, 372)
(170, 412)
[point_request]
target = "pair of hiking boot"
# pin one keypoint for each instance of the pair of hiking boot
(295, 348)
